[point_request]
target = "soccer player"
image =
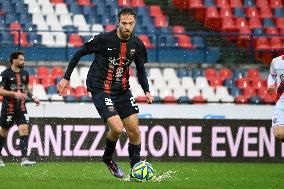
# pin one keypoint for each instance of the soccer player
(14, 89)
(276, 76)
(108, 83)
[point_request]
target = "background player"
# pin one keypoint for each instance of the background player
(14, 89)
(277, 76)
(108, 82)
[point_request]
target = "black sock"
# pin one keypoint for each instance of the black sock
(24, 145)
(134, 153)
(109, 150)
(2, 143)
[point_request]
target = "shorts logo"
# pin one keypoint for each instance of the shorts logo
(108, 102)
(274, 120)
(110, 108)
(132, 52)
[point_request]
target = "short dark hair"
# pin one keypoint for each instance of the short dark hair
(125, 11)
(15, 55)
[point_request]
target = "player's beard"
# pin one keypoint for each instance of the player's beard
(123, 35)
(21, 66)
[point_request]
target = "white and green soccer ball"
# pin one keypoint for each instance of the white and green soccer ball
(142, 172)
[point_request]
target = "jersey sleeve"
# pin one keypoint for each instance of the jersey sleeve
(3, 79)
(88, 48)
(272, 74)
(140, 59)
(27, 76)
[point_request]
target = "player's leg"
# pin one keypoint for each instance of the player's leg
(128, 110)
(5, 124)
(278, 124)
(23, 128)
(134, 147)
(3, 136)
(107, 111)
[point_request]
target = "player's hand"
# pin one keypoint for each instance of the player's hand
(61, 86)
(36, 100)
(20, 95)
(271, 88)
(149, 97)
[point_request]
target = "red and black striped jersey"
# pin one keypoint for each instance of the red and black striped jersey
(14, 81)
(109, 71)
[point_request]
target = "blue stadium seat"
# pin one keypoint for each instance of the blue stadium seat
(235, 91)
(239, 12)
(278, 12)
(70, 29)
(249, 3)
(157, 99)
(70, 98)
(183, 72)
(85, 99)
(229, 83)
(268, 22)
(6, 38)
(51, 90)
(255, 100)
(198, 41)
(258, 32)
(184, 100)
(196, 72)
(209, 3)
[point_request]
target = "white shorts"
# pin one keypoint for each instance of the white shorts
(278, 118)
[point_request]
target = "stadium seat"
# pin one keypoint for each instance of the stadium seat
(57, 71)
(223, 94)
(236, 3)
(42, 71)
(84, 2)
(210, 72)
(255, 100)
(145, 39)
(209, 95)
(137, 3)
(225, 73)
(124, 3)
(242, 83)
(252, 73)
(235, 91)
(249, 3)
(249, 92)
(198, 100)
(278, 12)
(201, 83)
(222, 3)
(241, 100)
(262, 43)
(279, 22)
(75, 40)
(276, 43)
(183, 100)
(47, 81)
(254, 23)
(33, 80)
(184, 41)
(81, 91)
(225, 12)
(57, 1)
(276, 4)
(178, 29)
(239, 12)
(268, 22)
(252, 12)
(265, 12)
(183, 72)
(187, 83)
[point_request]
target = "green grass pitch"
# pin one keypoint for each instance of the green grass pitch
(168, 175)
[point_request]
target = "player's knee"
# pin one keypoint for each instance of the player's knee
(116, 132)
(135, 132)
(279, 136)
(3, 132)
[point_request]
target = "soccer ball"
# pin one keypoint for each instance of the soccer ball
(142, 172)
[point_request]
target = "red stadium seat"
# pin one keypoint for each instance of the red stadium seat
(212, 12)
(225, 73)
(184, 41)
(75, 40)
(270, 98)
(155, 10)
(137, 3)
(252, 12)
(160, 21)
(262, 92)
(141, 99)
(22, 38)
(81, 91)
(110, 27)
(57, 72)
(124, 3)
(228, 25)
(262, 43)
(241, 22)
(265, 12)
(146, 41)
(198, 100)
(271, 31)
(276, 43)
(225, 12)
(68, 92)
(262, 3)
(195, 4)
(236, 3)
(84, 2)
(210, 72)
(15, 26)
(33, 80)
(47, 81)
(242, 83)
(279, 22)
(57, 1)
(178, 29)
(222, 3)
(276, 4)
(252, 73)
(249, 92)
(255, 23)
(256, 83)
(212, 18)
(170, 100)
(241, 99)
(42, 71)
(215, 82)
(181, 4)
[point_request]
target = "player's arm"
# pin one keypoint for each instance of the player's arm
(272, 78)
(31, 96)
(87, 48)
(140, 60)
(4, 92)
